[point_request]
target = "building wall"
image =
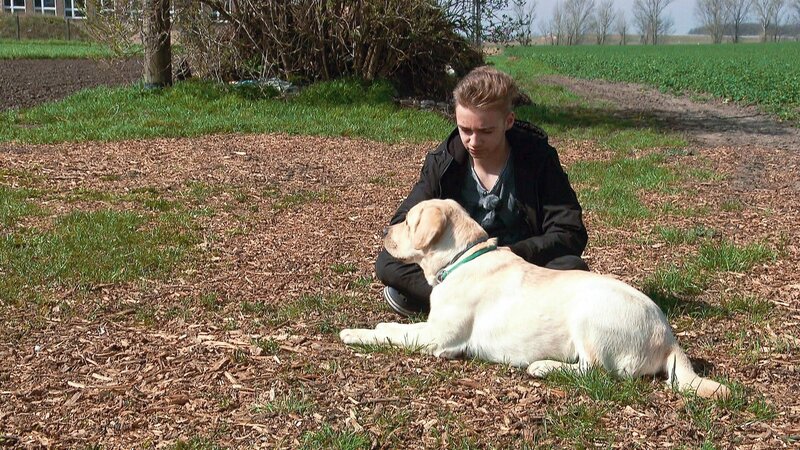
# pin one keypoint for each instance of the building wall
(60, 8)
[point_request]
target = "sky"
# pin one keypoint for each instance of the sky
(681, 11)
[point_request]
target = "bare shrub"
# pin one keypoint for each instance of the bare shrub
(118, 27)
(409, 42)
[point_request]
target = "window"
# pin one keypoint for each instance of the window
(45, 7)
(14, 6)
(74, 9)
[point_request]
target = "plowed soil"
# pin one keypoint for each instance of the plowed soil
(29, 82)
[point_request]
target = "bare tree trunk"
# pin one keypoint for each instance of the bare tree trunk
(157, 44)
(477, 25)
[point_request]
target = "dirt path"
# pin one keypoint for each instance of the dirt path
(710, 124)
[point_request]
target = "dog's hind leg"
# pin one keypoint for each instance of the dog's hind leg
(540, 369)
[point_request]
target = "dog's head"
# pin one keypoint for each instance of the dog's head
(433, 233)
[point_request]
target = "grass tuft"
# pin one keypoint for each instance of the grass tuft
(290, 403)
(196, 443)
(728, 257)
(676, 236)
(328, 438)
(599, 385)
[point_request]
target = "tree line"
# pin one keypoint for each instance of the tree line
(409, 42)
(575, 22)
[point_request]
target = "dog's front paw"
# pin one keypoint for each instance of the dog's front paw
(348, 336)
(353, 336)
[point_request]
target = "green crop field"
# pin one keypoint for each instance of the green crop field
(766, 75)
(51, 49)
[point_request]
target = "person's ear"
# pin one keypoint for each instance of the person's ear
(510, 120)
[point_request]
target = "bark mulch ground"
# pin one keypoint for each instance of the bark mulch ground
(238, 344)
(150, 361)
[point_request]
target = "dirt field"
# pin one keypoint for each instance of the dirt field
(25, 83)
(148, 363)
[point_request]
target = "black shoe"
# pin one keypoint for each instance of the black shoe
(400, 303)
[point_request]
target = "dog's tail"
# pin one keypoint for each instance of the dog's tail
(681, 375)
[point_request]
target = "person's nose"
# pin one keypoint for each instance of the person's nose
(475, 140)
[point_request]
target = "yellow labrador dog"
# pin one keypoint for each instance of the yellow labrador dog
(490, 304)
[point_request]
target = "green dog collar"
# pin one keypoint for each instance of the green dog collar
(447, 270)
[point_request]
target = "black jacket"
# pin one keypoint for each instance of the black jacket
(553, 215)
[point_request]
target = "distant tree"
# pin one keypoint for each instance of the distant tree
(650, 19)
(476, 19)
(604, 20)
(765, 13)
(797, 17)
(797, 11)
(779, 19)
(622, 27)
(738, 12)
(577, 15)
(555, 28)
(524, 13)
(713, 14)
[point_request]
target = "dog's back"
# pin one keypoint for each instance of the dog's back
(524, 313)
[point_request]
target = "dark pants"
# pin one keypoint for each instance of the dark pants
(409, 280)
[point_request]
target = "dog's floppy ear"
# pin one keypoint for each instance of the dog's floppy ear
(430, 226)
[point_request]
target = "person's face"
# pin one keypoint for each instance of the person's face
(483, 132)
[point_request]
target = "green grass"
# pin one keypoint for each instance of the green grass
(579, 424)
(83, 249)
(268, 346)
(343, 268)
(14, 204)
(756, 309)
(13, 49)
(563, 114)
(670, 285)
(728, 257)
(295, 199)
(761, 74)
(194, 108)
(611, 188)
(328, 438)
(676, 236)
(336, 108)
(196, 443)
(601, 386)
(323, 311)
(289, 403)
(705, 414)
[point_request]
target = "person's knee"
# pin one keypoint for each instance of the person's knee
(383, 268)
(568, 262)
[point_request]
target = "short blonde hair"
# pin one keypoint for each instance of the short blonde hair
(486, 88)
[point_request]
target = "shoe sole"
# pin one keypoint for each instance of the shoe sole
(399, 309)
